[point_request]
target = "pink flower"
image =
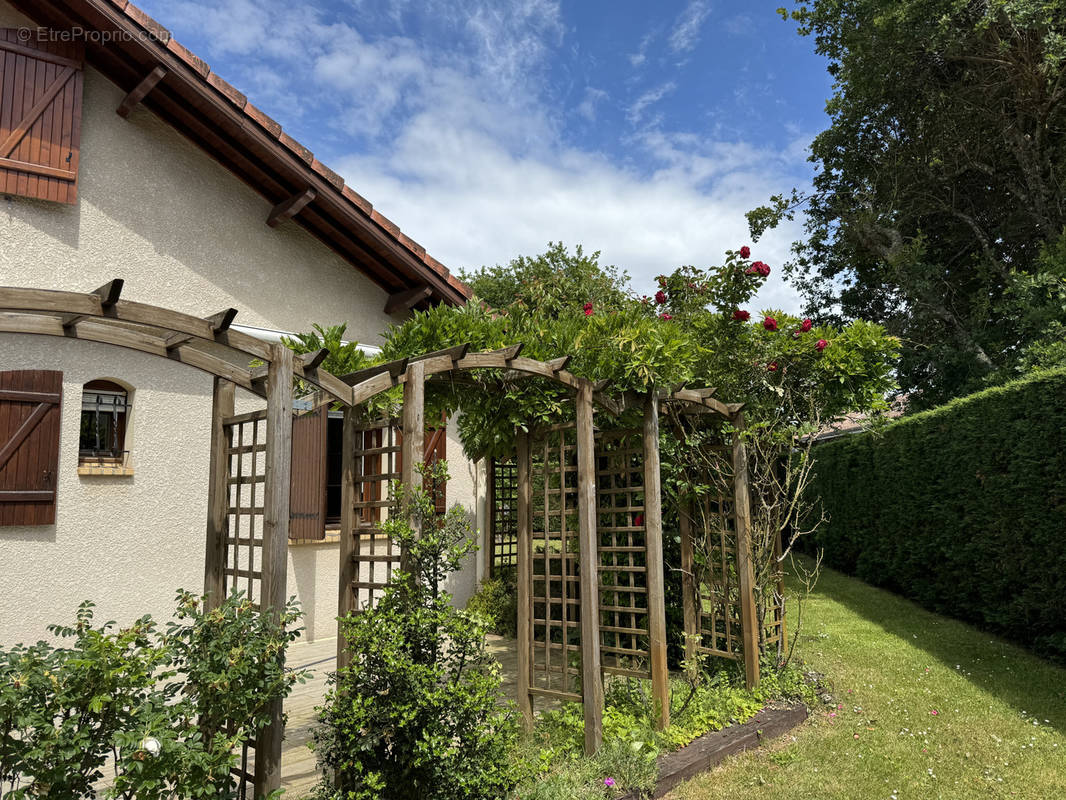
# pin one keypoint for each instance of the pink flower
(822, 344)
(588, 309)
(660, 297)
(806, 326)
(745, 251)
(608, 782)
(934, 712)
(770, 324)
(741, 316)
(665, 316)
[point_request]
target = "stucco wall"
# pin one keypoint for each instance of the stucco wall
(126, 543)
(184, 234)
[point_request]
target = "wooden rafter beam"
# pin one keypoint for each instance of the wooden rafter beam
(140, 91)
(409, 298)
(313, 360)
(289, 208)
(109, 295)
(219, 322)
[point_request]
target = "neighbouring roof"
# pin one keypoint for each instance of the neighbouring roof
(220, 119)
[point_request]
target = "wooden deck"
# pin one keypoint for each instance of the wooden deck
(298, 773)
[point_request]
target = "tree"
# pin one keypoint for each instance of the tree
(940, 181)
(552, 282)
(416, 714)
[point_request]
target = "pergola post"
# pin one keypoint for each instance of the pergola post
(348, 543)
(414, 432)
(742, 512)
(275, 544)
(525, 580)
(588, 555)
(653, 541)
(222, 406)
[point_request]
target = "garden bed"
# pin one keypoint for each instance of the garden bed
(712, 748)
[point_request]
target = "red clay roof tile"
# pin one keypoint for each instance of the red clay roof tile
(158, 31)
(272, 127)
(189, 57)
(356, 198)
(413, 246)
(327, 173)
(385, 222)
(296, 147)
(235, 96)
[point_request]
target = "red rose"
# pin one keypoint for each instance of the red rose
(665, 316)
(772, 366)
(822, 344)
(770, 324)
(762, 269)
(660, 297)
(752, 270)
(741, 315)
(745, 251)
(588, 309)
(806, 326)
(638, 520)
(662, 281)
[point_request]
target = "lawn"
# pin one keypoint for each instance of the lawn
(925, 707)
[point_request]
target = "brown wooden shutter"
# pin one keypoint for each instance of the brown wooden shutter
(307, 484)
(434, 449)
(437, 450)
(40, 116)
(29, 446)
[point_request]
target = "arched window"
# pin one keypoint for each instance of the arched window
(105, 410)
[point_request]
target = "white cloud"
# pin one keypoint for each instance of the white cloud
(587, 107)
(635, 112)
(453, 132)
(686, 33)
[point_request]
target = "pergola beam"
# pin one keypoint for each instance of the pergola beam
(109, 294)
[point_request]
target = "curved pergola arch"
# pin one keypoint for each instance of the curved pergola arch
(207, 344)
(374, 380)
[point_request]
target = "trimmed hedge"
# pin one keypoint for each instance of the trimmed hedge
(961, 508)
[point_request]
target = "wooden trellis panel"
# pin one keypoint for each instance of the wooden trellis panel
(719, 588)
(503, 515)
(624, 642)
(374, 555)
(245, 437)
(555, 589)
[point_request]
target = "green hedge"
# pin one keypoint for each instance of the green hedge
(962, 508)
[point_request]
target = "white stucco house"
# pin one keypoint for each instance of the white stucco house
(200, 203)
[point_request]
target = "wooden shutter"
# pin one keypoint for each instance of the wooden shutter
(435, 448)
(40, 116)
(307, 483)
(29, 446)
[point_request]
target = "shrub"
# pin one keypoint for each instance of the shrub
(961, 508)
(496, 600)
(417, 714)
(171, 708)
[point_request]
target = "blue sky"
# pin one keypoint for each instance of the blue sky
(487, 128)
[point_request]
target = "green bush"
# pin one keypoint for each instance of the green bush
(961, 508)
(170, 708)
(496, 600)
(417, 713)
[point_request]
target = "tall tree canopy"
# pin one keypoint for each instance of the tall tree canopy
(940, 190)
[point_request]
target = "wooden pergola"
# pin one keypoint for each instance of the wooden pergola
(250, 466)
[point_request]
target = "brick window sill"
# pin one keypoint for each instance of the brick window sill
(113, 470)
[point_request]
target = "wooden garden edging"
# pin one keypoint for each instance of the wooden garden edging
(712, 748)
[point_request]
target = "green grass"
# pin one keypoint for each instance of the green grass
(998, 731)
